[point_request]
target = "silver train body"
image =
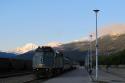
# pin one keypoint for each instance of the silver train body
(49, 62)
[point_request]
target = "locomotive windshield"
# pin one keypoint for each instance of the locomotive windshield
(37, 59)
(43, 57)
(47, 58)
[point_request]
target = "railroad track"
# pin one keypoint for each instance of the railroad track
(31, 81)
(23, 77)
(35, 81)
(7, 75)
(45, 78)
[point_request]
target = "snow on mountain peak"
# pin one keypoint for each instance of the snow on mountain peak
(31, 46)
(54, 44)
(81, 39)
(25, 48)
(112, 30)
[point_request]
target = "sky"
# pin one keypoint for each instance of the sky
(44, 21)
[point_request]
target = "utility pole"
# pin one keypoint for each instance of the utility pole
(96, 12)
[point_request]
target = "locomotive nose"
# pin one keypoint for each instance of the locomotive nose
(41, 65)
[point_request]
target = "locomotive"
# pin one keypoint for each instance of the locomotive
(48, 62)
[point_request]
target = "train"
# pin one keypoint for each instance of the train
(48, 62)
(43, 61)
(14, 63)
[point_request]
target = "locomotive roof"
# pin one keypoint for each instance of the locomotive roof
(45, 48)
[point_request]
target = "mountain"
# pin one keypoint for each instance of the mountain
(31, 46)
(111, 44)
(7, 55)
(75, 46)
(111, 40)
(107, 44)
(112, 30)
(25, 48)
(28, 55)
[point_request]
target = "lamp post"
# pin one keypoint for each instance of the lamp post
(96, 12)
(88, 59)
(91, 52)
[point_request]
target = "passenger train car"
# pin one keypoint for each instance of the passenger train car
(12, 63)
(48, 62)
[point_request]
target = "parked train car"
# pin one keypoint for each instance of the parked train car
(5, 61)
(11, 63)
(21, 63)
(48, 62)
(26, 62)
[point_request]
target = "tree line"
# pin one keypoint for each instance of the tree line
(112, 59)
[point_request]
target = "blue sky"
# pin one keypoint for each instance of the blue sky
(43, 21)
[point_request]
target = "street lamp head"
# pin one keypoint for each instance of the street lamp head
(96, 11)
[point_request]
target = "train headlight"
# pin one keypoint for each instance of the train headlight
(41, 65)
